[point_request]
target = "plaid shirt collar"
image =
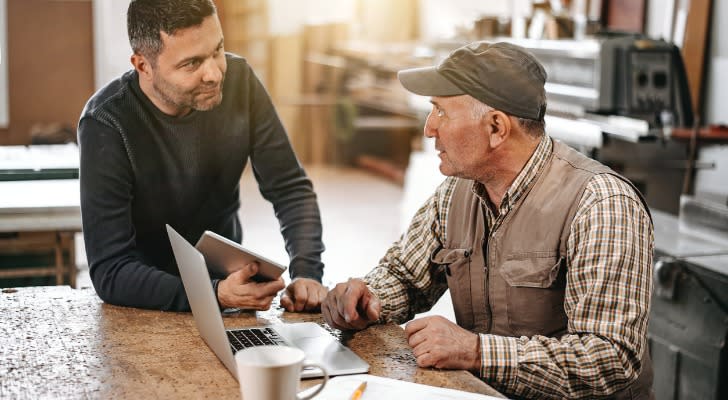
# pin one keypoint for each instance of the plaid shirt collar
(520, 184)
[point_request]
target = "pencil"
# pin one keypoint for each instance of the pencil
(359, 390)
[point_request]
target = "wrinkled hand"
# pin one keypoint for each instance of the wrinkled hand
(440, 343)
(303, 294)
(239, 291)
(350, 305)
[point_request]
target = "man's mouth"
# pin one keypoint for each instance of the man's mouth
(209, 90)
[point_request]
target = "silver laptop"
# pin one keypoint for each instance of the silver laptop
(318, 344)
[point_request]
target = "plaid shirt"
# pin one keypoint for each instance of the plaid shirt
(609, 281)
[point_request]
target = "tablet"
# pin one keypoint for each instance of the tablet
(223, 257)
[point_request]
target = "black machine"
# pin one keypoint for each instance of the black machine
(648, 81)
(624, 75)
(635, 90)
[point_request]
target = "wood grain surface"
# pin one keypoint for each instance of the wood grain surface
(57, 342)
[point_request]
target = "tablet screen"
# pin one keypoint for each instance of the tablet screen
(223, 257)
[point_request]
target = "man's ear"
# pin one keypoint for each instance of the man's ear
(500, 128)
(142, 65)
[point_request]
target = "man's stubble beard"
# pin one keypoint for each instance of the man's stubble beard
(169, 94)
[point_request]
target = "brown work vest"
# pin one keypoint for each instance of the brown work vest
(519, 291)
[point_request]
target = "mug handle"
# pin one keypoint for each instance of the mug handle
(308, 364)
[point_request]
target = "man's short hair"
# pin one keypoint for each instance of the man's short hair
(533, 127)
(145, 19)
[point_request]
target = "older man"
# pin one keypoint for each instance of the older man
(547, 253)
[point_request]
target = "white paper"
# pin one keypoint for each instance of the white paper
(379, 388)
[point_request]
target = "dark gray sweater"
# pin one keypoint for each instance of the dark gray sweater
(141, 169)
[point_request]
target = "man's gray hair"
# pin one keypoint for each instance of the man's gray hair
(535, 128)
(145, 19)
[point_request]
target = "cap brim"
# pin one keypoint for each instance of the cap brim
(427, 82)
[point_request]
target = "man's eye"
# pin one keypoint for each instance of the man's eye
(440, 113)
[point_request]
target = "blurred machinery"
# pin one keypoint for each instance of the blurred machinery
(634, 91)
(689, 313)
(626, 75)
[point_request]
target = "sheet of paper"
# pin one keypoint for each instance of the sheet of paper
(378, 388)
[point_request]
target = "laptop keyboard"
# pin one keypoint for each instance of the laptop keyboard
(251, 337)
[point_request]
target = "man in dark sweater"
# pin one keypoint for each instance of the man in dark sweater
(166, 143)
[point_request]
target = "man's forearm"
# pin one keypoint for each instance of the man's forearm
(134, 284)
(573, 366)
(302, 231)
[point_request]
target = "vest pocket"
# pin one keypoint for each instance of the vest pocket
(454, 264)
(535, 286)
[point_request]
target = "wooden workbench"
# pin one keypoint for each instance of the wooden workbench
(36, 217)
(39, 211)
(58, 342)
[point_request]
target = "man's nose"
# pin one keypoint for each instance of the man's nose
(430, 129)
(212, 71)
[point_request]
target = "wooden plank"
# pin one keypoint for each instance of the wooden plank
(27, 272)
(285, 79)
(245, 26)
(321, 78)
(55, 86)
(382, 167)
(61, 245)
(68, 243)
(712, 133)
(697, 29)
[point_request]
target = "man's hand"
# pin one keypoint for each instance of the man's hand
(239, 291)
(438, 342)
(303, 294)
(350, 305)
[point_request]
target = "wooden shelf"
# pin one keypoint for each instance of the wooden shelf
(713, 133)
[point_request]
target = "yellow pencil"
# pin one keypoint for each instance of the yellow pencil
(359, 390)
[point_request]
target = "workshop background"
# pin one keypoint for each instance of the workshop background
(640, 85)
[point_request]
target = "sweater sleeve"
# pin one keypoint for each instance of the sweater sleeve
(118, 272)
(283, 182)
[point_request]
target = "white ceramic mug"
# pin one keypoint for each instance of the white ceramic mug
(273, 373)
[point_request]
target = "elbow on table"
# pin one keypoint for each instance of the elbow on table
(610, 379)
(632, 365)
(105, 286)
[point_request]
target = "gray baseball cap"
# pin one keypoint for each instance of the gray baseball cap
(502, 75)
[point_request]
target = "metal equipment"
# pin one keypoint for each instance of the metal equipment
(689, 314)
(626, 75)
